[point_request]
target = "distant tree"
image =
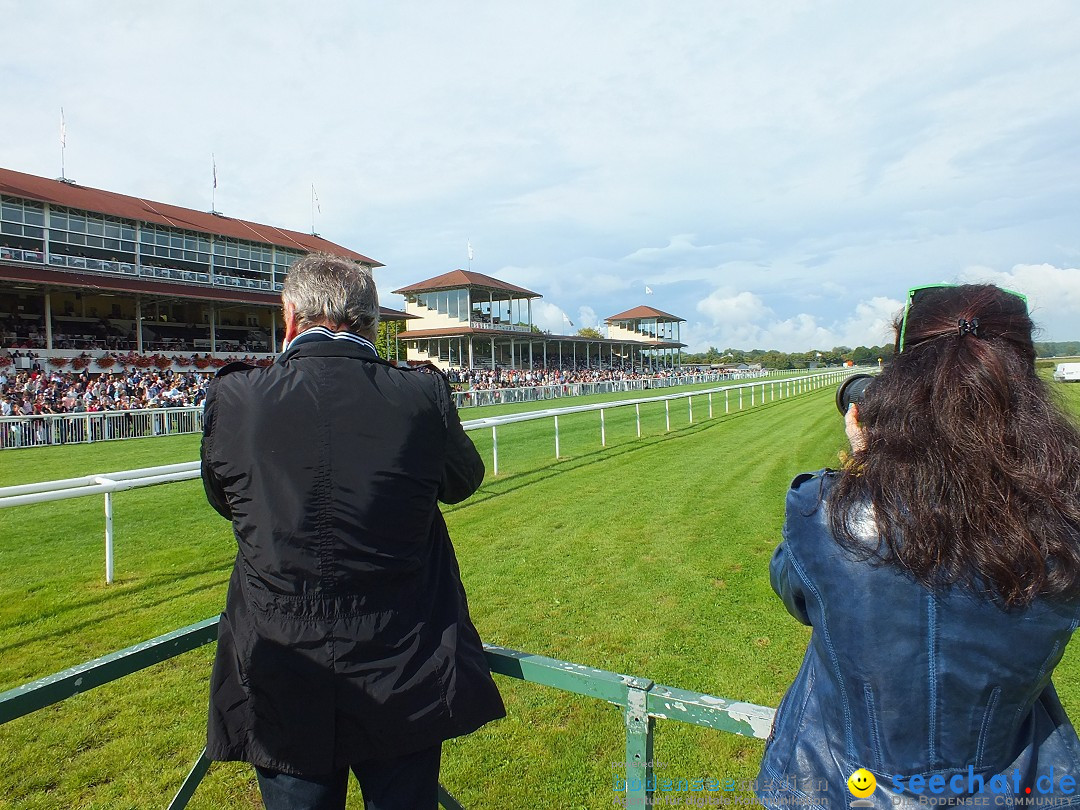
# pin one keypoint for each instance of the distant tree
(862, 356)
(1067, 348)
(589, 332)
(384, 342)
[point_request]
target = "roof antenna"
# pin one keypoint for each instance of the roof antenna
(63, 146)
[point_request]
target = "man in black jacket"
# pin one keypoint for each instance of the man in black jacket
(346, 640)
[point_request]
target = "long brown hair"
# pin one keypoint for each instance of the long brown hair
(972, 472)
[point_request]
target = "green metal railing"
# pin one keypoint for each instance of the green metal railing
(642, 701)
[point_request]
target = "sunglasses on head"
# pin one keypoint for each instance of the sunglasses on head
(915, 293)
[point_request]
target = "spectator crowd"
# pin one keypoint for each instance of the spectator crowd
(42, 391)
(39, 391)
(486, 379)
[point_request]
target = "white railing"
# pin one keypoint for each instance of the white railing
(132, 269)
(96, 426)
(538, 393)
(14, 254)
(734, 398)
(84, 428)
(500, 327)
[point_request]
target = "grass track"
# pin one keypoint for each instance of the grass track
(647, 557)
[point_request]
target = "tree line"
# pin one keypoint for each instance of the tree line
(770, 358)
(838, 355)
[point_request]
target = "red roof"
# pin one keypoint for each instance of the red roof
(637, 313)
(456, 279)
(387, 314)
(55, 192)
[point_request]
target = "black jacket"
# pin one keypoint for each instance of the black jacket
(346, 633)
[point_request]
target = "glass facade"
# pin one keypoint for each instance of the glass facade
(88, 241)
(452, 303)
(82, 233)
(21, 220)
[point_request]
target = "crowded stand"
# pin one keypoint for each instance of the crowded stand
(117, 335)
(41, 390)
(487, 379)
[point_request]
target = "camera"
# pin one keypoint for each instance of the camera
(851, 391)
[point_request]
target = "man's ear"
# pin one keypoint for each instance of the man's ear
(289, 310)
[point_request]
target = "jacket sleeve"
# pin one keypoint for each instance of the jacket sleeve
(787, 584)
(215, 492)
(463, 469)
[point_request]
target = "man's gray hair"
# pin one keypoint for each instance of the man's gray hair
(330, 291)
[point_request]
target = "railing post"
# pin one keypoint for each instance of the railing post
(194, 777)
(495, 450)
(690, 401)
(667, 414)
(108, 539)
(637, 412)
(751, 396)
(727, 405)
(556, 437)
(603, 431)
(639, 744)
(710, 404)
(740, 397)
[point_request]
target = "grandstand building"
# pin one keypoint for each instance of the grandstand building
(463, 319)
(86, 269)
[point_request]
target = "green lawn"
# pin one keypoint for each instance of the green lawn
(647, 557)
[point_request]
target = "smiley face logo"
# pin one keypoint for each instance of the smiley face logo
(861, 783)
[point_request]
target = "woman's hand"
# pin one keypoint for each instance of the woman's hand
(855, 433)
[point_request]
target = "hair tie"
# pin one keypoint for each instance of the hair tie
(967, 327)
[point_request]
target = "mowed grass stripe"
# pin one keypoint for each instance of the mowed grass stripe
(648, 557)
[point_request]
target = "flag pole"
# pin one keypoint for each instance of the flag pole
(213, 189)
(63, 143)
(315, 206)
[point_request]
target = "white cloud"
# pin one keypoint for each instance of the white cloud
(741, 320)
(728, 309)
(551, 318)
(1053, 294)
(587, 318)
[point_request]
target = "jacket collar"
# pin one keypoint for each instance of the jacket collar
(323, 341)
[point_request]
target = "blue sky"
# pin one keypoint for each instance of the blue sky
(777, 173)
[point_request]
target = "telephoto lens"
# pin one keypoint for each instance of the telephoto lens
(852, 390)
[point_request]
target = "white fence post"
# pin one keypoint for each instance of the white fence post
(495, 450)
(603, 431)
(108, 539)
(556, 436)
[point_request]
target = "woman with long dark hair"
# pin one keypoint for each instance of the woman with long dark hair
(940, 572)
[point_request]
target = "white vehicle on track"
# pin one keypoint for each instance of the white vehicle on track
(1067, 372)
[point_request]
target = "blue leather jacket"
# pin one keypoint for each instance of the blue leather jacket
(942, 695)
